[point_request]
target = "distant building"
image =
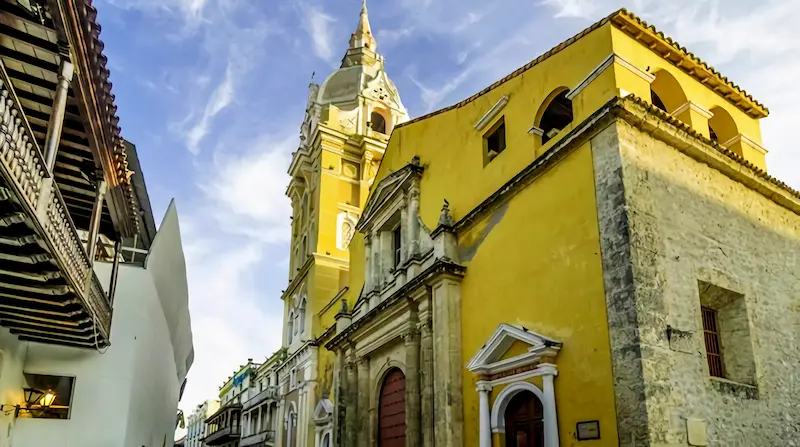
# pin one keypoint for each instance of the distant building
(196, 426)
(95, 328)
(260, 413)
(224, 427)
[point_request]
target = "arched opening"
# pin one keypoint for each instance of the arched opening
(290, 328)
(326, 440)
(524, 420)
(555, 114)
(303, 252)
(291, 427)
(302, 316)
(666, 93)
(392, 410)
(377, 122)
(721, 126)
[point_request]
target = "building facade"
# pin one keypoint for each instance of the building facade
(590, 249)
(347, 124)
(196, 426)
(224, 427)
(93, 301)
(260, 416)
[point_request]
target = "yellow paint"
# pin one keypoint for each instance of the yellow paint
(551, 282)
(516, 348)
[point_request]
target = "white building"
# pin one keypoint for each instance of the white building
(260, 416)
(196, 426)
(224, 427)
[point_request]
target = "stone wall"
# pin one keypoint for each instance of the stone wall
(685, 224)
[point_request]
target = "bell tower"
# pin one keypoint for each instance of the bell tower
(347, 124)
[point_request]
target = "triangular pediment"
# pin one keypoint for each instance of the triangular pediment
(323, 411)
(512, 346)
(385, 190)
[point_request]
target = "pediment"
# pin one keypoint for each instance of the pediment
(323, 410)
(385, 191)
(512, 346)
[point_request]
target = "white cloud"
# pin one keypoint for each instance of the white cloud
(317, 24)
(585, 9)
(190, 11)
(433, 96)
(220, 98)
(246, 193)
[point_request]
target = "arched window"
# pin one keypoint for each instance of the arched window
(302, 316)
(721, 126)
(297, 323)
(377, 122)
(303, 252)
(666, 93)
(291, 326)
(555, 114)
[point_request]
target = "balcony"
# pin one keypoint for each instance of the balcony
(50, 292)
(224, 426)
(263, 439)
(269, 393)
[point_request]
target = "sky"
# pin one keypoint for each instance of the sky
(213, 93)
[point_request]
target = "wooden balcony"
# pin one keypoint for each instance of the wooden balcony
(48, 290)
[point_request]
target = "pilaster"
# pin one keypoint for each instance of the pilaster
(426, 355)
(351, 402)
(448, 400)
(413, 410)
(363, 402)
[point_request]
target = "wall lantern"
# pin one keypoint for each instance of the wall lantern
(34, 399)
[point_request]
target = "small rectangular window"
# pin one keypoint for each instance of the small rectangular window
(61, 386)
(713, 347)
(494, 141)
(397, 242)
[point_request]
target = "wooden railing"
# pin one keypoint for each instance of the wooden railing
(24, 167)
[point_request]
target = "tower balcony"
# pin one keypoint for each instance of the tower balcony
(48, 290)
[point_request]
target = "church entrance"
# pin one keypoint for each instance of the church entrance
(392, 410)
(524, 421)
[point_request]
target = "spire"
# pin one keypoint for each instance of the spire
(363, 35)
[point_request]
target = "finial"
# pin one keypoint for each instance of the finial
(364, 6)
(445, 219)
(344, 302)
(415, 161)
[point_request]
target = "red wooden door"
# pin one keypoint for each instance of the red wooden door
(524, 423)
(392, 410)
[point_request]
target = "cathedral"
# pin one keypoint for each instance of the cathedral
(590, 251)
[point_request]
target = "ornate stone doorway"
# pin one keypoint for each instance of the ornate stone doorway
(392, 410)
(524, 420)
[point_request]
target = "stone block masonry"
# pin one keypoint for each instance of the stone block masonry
(670, 224)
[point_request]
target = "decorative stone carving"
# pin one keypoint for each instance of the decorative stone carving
(445, 219)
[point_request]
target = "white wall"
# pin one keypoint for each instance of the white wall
(12, 359)
(127, 396)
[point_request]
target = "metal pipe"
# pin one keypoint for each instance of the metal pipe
(94, 223)
(112, 286)
(65, 73)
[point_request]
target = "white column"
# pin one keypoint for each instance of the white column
(485, 427)
(368, 263)
(549, 404)
(65, 72)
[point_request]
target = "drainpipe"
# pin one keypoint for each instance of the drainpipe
(94, 223)
(65, 72)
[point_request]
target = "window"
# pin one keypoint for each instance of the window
(711, 336)
(291, 325)
(297, 323)
(61, 386)
(556, 116)
(377, 123)
(397, 242)
(726, 333)
(494, 142)
(302, 316)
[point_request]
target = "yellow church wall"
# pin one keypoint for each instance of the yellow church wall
(551, 283)
(451, 150)
(642, 57)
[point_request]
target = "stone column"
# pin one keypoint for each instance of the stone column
(350, 397)
(413, 223)
(549, 406)
(427, 383)
(279, 428)
(404, 252)
(413, 410)
(339, 407)
(376, 275)
(368, 283)
(363, 402)
(448, 401)
(485, 425)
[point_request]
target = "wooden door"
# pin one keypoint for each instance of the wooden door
(392, 410)
(524, 421)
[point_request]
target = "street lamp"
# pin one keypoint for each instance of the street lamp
(33, 398)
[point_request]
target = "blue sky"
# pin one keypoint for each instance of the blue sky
(213, 92)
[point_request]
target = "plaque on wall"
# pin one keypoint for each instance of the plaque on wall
(588, 430)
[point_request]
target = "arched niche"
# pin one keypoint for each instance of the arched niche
(666, 93)
(554, 114)
(721, 126)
